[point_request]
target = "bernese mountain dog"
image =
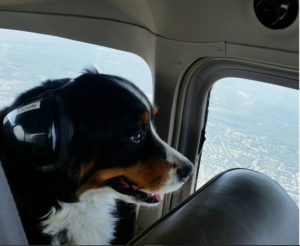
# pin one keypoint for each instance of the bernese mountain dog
(103, 148)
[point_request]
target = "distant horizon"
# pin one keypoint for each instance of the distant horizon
(27, 59)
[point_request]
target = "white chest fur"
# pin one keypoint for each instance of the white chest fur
(89, 221)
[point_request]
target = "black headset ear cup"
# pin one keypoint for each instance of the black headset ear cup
(30, 132)
(40, 130)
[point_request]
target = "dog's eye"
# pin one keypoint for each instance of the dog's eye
(137, 137)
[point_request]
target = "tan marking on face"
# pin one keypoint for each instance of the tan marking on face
(154, 110)
(83, 169)
(144, 117)
(149, 176)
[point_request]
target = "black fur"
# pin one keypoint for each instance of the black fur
(104, 115)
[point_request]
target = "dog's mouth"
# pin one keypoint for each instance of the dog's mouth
(124, 186)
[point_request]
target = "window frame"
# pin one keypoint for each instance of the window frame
(192, 103)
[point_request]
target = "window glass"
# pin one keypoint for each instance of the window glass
(27, 59)
(252, 125)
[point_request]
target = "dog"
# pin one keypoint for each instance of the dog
(67, 178)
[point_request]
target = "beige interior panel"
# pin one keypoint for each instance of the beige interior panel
(232, 21)
(284, 58)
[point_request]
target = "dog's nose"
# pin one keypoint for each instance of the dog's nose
(184, 171)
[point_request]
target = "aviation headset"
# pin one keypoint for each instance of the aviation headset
(39, 128)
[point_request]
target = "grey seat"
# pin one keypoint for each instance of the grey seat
(11, 230)
(237, 207)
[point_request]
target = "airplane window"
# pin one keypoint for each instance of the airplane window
(27, 59)
(252, 125)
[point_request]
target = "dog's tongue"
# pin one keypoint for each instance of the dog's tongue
(159, 197)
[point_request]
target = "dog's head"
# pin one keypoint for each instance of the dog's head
(115, 143)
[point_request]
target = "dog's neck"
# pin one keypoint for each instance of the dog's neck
(90, 221)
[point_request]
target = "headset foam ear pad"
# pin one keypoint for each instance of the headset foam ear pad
(29, 131)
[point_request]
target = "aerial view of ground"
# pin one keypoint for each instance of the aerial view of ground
(253, 125)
